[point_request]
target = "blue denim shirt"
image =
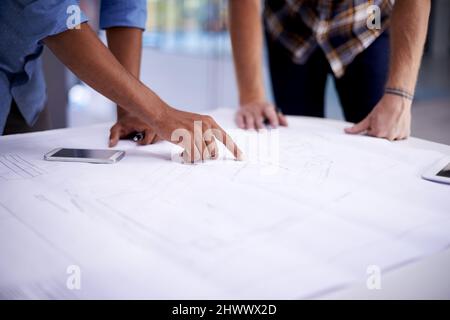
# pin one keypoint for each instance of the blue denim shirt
(23, 24)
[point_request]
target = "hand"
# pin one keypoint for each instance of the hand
(127, 124)
(253, 115)
(196, 134)
(390, 119)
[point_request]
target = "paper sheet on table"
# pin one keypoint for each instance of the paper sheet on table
(304, 216)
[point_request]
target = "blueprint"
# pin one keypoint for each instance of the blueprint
(307, 212)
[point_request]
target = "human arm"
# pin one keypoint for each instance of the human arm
(247, 42)
(125, 43)
(391, 117)
(82, 52)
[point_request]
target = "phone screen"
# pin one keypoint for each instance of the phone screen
(84, 154)
(445, 172)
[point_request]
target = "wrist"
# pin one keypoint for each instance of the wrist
(402, 82)
(248, 99)
(397, 103)
(121, 112)
(399, 92)
(252, 95)
(150, 108)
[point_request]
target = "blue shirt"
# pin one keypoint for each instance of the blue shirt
(23, 25)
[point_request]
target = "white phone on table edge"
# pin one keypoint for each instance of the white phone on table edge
(85, 155)
(439, 171)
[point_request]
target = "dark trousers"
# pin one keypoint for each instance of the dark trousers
(17, 124)
(300, 89)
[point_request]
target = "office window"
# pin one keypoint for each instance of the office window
(187, 26)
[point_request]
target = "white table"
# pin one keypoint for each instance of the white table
(65, 190)
(426, 279)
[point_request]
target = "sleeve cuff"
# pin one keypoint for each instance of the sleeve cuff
(131, 14)
(52, 17)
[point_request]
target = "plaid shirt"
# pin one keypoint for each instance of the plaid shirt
(338, 27)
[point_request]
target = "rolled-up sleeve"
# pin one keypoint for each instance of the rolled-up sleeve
(119, 13)
(43, 18)
(23, 26)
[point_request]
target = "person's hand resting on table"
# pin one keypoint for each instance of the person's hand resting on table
(201, 132)
(127, 124)
(256, 115)
(196, 134)
(390, 119)
(179, 125)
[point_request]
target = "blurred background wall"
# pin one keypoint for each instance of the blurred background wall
(187, 61)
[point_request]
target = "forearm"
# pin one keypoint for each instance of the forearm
(83, 53)
(409, 25)
(126, 45)
(247, 41)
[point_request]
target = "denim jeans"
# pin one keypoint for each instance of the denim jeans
(300, 89)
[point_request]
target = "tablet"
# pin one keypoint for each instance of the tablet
(439, 172)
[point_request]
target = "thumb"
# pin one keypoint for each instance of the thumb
(114, 137)
(359, 127)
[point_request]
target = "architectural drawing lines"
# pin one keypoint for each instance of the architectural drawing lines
(38, 233)
(13, 166)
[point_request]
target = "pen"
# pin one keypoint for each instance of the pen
(135, 136)
(138, 136)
